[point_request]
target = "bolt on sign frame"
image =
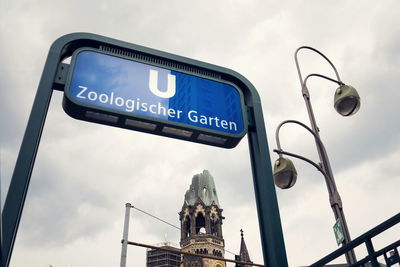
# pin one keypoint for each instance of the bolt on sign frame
(55, 77)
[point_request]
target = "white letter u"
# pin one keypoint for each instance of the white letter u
(153, 85)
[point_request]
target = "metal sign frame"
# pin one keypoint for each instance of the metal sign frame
(53, 78)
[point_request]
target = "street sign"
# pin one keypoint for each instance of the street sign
(53, 78)
(338, 230)
(146, 95)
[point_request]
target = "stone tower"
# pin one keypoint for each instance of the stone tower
(201, 223)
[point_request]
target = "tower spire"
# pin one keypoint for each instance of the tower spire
(244, 254)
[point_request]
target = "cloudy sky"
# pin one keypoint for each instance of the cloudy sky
(85, 173)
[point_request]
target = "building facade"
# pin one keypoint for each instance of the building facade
(162, 258)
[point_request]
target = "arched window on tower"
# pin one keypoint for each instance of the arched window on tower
(200, 223)
(214, 226)
(186, 226)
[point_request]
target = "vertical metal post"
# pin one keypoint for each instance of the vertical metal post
(334, 197)
(371, 252)
(124, 247)
(19, 184)
(267, 203)
(1, 222)
(18, 189)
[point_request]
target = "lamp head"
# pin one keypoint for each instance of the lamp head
(347, 100)
(285, 174)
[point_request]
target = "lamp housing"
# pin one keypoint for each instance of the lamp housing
(346, 100)
(285, 174)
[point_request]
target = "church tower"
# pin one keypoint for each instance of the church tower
(201, 223)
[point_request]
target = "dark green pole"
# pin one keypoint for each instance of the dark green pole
(19, 184)
(264, 187)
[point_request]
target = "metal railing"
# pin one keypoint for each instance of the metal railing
(372, 258)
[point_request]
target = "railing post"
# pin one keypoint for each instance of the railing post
(371, 253)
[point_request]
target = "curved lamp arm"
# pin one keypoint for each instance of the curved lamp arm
(322, 76)
(318, 52)
(280, 151)
(302, 158)
(305, 89)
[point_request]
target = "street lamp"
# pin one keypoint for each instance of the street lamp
(346, 103)
(347, 100)
(285, 173)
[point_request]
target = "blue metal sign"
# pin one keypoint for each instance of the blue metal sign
(152, 93)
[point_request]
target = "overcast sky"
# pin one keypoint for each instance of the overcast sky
(85, 173)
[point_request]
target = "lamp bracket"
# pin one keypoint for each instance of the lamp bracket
(61, 76)
(305, 92)
(250, 116)
(335, 199)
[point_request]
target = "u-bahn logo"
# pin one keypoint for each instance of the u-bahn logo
(153, 85)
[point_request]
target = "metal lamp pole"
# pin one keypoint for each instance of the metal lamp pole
(334, 197)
